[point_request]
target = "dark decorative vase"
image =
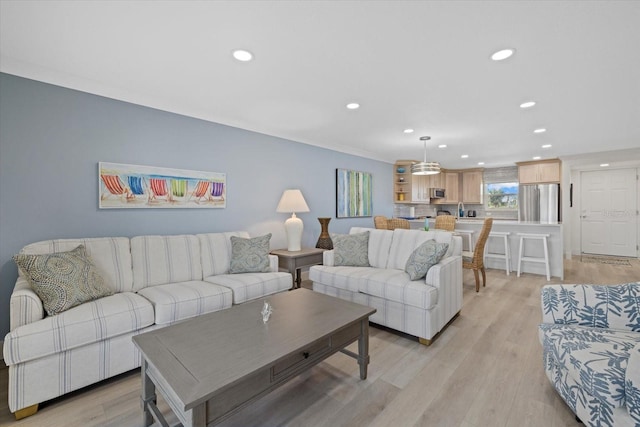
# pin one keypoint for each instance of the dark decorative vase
(324, 241)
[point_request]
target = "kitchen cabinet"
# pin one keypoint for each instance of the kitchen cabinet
(472, 187)
(402, 181)
(451, 190)
(420, 188)
(547, 171)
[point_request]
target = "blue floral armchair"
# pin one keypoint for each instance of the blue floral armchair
(591, 350)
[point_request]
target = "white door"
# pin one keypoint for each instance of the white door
(608, 203)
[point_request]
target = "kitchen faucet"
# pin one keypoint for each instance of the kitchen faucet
(458, 210)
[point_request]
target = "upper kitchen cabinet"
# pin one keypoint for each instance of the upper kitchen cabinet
(402, 181)
(451, 190)
(539, 172)
(472, 190)
(420, 188)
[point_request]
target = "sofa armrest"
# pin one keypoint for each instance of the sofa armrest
(327, 258)
(24, 306)
(446, 276)
(632, 384)
(448, 270)
(273, 263)
(598, 306)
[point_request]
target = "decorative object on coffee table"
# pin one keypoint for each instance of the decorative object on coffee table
(266, 312)
(324, 241)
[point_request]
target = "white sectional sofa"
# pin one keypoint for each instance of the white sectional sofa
(417, 307)
(156, 280)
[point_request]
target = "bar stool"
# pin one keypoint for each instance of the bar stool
(545, 260)
(467, 233)
(506, 256)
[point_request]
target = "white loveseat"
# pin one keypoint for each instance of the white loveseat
(157, 281)
(420, 307)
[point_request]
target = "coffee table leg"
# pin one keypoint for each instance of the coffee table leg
(363, 348)
(148, 395)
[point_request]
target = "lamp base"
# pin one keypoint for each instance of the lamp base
(293, 226)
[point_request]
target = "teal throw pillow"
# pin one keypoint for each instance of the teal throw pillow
(351, 249)
(64, 279)
(250, 255)
(424, 257)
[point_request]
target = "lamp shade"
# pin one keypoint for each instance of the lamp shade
(424, 167)
(292, 201)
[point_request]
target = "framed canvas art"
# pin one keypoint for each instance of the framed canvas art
(353, 193)
(134, 186)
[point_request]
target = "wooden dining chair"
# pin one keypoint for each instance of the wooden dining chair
(393, 223)
(445, 222)
(380, 221)
(475, 260)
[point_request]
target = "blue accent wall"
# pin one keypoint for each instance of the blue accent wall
(52, 138)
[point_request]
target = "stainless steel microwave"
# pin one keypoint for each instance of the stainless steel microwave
(436, 193)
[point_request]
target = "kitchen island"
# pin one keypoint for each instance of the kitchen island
(555, 242)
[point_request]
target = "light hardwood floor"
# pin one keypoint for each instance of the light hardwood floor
(484, 370)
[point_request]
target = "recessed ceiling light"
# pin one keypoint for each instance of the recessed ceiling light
(541, 130)
(502, 54)
(480, 163)
(242, 55)
(464, 156)
(604, 165)
(353, 106)
(546, 146)
(527, 104)
(536, 157)
(442, 146)
(408, 131)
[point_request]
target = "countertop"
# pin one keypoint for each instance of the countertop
(479, 220)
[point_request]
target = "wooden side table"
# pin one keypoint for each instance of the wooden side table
(294, 261)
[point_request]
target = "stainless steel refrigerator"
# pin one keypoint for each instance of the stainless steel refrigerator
(539, 202)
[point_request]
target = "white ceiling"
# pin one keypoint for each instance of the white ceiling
(410, 64)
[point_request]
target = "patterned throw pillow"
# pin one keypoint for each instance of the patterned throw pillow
(250, 255)
(64, 279)
(351, 249)
(424, 257)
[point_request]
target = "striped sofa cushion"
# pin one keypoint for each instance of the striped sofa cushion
(111, 256)
(85, 324)
(342, 277)
(249, 286)
(158, 260)
(216, 251)
(174, 302)
(406, 241)
(395, 285)
(379, 245)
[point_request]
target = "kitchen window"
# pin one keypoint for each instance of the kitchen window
(501, 196)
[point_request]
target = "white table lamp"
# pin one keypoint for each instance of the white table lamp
(292, 201)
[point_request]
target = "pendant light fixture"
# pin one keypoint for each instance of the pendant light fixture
(424, 167)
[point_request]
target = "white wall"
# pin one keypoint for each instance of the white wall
(571, 173)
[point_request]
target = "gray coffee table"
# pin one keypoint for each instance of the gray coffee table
(211, 366)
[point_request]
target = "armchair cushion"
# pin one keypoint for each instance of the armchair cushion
(595, 358)
(615, 307)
